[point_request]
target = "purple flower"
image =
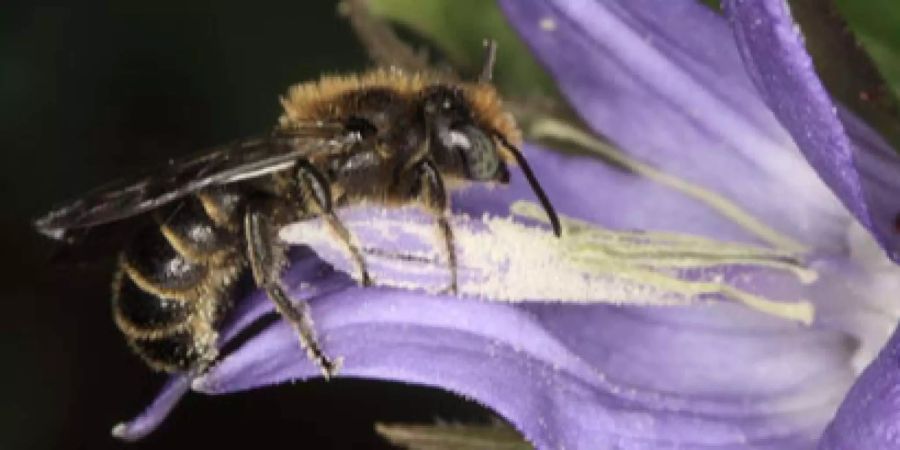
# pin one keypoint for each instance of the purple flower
(739, 183)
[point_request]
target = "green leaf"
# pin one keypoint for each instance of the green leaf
(877, 25)
(459, 27)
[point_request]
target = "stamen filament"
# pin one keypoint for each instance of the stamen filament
(555, 129)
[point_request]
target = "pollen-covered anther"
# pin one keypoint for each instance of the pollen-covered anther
(501, 259)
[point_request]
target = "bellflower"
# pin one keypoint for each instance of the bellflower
(744, 231)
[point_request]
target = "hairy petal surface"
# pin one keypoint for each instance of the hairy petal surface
(850, 157)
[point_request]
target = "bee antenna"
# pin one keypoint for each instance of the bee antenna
(490, 57)
(535, 185)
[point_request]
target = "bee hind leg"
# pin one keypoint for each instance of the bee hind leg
(267, 257)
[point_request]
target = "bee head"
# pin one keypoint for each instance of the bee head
(465, 132)
(459, 144)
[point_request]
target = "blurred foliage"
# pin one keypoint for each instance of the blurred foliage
(459, 27)
(846, 68)
(714, 4)
(877, 25)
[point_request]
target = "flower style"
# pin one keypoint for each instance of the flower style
(740, 184)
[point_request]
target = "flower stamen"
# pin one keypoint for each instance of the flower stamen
(501, 259)
(558, 130)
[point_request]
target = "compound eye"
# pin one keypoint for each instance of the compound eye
(478, 152)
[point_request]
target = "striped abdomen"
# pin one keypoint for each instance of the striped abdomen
(174, 281)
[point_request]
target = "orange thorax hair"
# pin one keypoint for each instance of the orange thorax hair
(316, 100)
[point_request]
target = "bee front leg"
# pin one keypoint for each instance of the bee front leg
(434, 196)
(267, 257)
(318, 198)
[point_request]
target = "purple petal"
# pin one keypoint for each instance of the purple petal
(663, 80)
(850, 157)
(869, 418)
(600, 193)
(151, 418)
(597, 387)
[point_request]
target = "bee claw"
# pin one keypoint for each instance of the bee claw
(330, 367)
(452, 289)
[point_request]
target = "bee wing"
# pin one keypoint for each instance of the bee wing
(243, 160)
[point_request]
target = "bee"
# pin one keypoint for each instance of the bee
(384, 136)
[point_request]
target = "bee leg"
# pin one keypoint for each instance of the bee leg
(314, 183)
(434, 196)
(267, 257)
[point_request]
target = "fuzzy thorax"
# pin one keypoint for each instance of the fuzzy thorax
(323, 100)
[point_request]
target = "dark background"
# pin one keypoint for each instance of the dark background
(92, 92)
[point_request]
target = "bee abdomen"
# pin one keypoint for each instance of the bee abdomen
(176, 353)
(141, 314)
(173, 285)
(152, 263)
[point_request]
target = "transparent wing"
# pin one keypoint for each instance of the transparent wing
(243, 160)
